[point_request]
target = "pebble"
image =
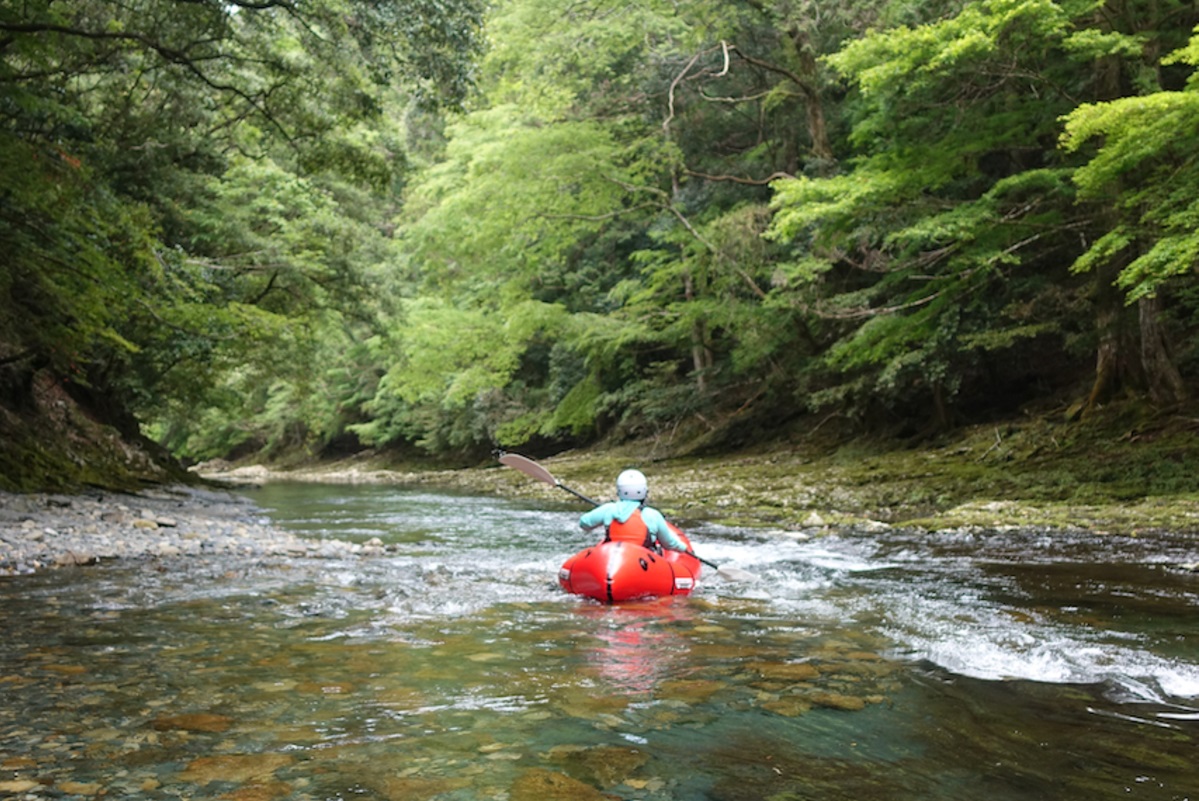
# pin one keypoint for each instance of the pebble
(41, 531)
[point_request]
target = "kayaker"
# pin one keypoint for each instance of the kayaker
(629, 519)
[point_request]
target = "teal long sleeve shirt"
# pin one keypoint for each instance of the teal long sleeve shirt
(655, 523)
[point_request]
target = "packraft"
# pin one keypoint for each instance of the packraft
(615, 571)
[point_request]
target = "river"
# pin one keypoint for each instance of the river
(861, 665)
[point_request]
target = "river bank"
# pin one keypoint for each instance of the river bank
(44, 530)
(1034, 475)
(1115, 476)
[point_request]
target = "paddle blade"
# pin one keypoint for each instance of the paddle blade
(735, 574)
(528, 467)
(730, 573)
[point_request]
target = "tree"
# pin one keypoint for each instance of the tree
(1146, 162)
(145, 260)
(931, 253)
(632, 148)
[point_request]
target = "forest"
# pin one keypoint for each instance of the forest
(255, 228)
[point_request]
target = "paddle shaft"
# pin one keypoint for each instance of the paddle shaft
(578, 495)
(534, 470)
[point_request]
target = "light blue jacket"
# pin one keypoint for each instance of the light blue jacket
(655, 523)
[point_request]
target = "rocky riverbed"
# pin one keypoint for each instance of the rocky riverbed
(40, 530)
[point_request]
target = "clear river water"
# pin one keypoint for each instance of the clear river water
(882, 665)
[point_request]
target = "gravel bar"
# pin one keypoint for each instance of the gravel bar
(41, 531)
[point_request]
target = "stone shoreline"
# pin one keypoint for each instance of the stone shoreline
(44, 530)
(47, 530)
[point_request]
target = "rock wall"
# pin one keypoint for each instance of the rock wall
(52, 440)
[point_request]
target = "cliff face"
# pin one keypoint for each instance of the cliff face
(53, 439)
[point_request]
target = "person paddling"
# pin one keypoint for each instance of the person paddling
(628, 519)
(595, 519)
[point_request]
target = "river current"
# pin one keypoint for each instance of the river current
(864, 665)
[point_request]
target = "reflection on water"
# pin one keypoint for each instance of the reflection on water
(858, 666)
(634, 647)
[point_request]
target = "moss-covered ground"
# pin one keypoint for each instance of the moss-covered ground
(54, 443)
(1122, 469)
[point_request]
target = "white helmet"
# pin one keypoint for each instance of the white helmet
(631, 486)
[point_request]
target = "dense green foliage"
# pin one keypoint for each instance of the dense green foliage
(195, 196)
(274, 226)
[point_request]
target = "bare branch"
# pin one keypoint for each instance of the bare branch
(270, 284)
(670, 95)
(724, 46)
(734, 100)
(861, 314)
(736, 179)
(805, 87)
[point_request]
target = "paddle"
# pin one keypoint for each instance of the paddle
(534, 470)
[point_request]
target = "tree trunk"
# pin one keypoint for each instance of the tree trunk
(701, 355)
(941, 416)
(1165, 382)
(822, 149)
(1107, 359)
(1109, 302)
(1111, 354)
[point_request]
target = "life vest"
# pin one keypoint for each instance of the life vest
(631, 530)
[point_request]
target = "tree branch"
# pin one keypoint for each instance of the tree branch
(667, 205)
(808, 91)
(169, 54)
(25, 354)
(735, 179)
(670, 94)
(601, 217)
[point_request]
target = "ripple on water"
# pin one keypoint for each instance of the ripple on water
(864, 666)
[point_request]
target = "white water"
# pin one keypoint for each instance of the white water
(946, 599)
(860, 665)
(956, 608)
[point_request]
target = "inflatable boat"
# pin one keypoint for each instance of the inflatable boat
(611, 572)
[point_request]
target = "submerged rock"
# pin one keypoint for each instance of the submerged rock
(785, 671)
(607, 765)
(847, 703)
(234, 768)
(196, 722)
(539, 784)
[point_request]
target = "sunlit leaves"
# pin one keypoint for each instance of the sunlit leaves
(948, 199)
(446, 357)
(512, 195)
(908, 59)
(223, 196)
(448, 354)
(844, 206)
(1147, 162)
(558, 60)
